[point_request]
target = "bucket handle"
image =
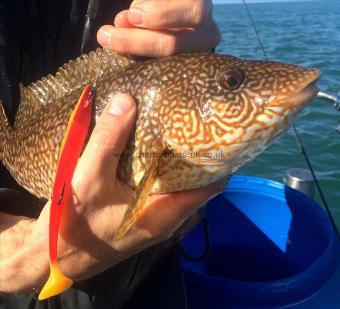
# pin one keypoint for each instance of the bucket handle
(207, 242)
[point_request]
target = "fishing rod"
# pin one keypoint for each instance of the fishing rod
(321, 94)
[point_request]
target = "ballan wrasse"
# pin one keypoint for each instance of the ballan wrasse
(201, 116)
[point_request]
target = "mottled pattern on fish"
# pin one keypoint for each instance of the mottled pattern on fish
(205, 114)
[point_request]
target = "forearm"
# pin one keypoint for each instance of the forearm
(24, 252)
(23, 260)
(84, 249)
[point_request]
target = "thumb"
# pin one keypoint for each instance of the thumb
(110, 135)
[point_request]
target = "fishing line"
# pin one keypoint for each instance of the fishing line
(255, 30)
(296, 134)
(303, 151)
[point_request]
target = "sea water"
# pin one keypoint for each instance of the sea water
(308, 34)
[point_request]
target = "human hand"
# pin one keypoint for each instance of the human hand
(156, 28)
(87, 245)
(101, 201)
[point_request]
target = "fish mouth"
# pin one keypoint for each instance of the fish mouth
(302, 95)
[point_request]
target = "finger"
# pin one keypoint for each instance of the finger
(122, 21)
(167, 212)
(110, 135)
(156, 43)
(165, 14)
(183, 204)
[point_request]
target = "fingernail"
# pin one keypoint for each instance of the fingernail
(104, 37)
(120, 105)
(136, 15)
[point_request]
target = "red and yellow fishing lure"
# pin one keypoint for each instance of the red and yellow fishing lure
(73, 142)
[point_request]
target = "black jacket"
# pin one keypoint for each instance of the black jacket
(36, 37)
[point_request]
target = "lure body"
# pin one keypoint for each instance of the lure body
(72, 145)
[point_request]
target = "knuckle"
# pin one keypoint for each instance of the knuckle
(162, 17)
(167, 46)
(124, 46)
(199, 11)
(101, 135)
(120, 43)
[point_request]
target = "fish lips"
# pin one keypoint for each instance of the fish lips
(300, 96)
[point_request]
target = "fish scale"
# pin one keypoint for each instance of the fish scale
(202, 115)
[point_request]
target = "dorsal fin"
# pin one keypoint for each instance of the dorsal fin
(4, 122)
(72, 75)
(4, 130)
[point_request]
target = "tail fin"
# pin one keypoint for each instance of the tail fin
(56, 283)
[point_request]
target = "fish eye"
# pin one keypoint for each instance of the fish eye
(232, 79)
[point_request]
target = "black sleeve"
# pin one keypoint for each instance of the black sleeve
(37, 36)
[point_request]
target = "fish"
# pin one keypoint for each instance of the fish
(201, 116)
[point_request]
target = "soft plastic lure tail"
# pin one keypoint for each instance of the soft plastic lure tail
(72, 146)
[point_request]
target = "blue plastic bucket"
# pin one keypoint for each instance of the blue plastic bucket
(271, 246)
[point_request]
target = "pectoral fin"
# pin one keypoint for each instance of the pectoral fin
(139, 197)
